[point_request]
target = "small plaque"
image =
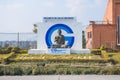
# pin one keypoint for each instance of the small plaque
(58, 51)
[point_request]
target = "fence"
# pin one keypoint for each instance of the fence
(22, 40)
(100, 22)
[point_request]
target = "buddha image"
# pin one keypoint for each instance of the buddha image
(59, 40)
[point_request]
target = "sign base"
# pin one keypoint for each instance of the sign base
(58, 51)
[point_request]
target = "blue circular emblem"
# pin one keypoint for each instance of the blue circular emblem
(55, 27)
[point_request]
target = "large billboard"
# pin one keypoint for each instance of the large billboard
(59, 35)
(59, 32)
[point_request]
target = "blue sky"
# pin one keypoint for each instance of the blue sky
(20, 15)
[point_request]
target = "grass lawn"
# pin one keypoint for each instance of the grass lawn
(69, 59)
(27, 64)
(3, 56)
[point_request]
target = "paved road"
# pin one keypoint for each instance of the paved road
(62, 77)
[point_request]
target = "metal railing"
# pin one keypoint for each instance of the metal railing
(22, 40)
(100, 22)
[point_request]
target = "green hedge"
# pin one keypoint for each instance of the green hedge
(10, 49)
(96, 51)
(22, 70)
(116, 58)
(16, 49)
(23, 51)
(4, 51)
(6, 60)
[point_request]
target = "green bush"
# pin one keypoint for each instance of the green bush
(68, 72)
(5, 61)
(1, 52)
(4, 51)
(9, 49)
(86, 71)
(116, 71)
(12, 49)
(1, 70)
(15, 70)
(27, 71)
(90, 71)
(16, 49)
(76, 71)
(105, 55)
(36, 71)
(51, 71)
(116, 58)
(105, 71)
(18, 71)
(24, 51)
(102, 48)
(96, 51)
(62, 71)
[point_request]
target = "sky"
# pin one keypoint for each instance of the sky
(20, 15)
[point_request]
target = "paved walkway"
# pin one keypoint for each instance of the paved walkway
(62, 77)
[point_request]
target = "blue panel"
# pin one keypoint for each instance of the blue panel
(56, 27)
(58, 51)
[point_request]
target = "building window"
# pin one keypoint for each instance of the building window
(89, 34)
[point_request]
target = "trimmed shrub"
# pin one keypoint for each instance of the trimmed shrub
(15, 70)
(105, 55)
(68, 72)
(9, 49)
(5, 50)
(76, 71)
(116, 71)
(28, 71)
(1, 70)
(24, 51)
(116, 58)
(87, 71)
(36, 71)
(96, 51)
(18, 71)
(1, 52)
(50, 71)
(102, 47)
(16, 49)
(61, 71)
(5, 61)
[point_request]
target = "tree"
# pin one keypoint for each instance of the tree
(83, 39)
(35, 30)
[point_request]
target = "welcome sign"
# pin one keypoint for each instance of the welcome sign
(47, 30)
(59, 35)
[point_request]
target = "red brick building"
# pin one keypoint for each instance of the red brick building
(105, 32)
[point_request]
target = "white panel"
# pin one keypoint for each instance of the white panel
(44, 26)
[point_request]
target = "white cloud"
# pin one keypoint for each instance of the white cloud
(80, 5)
(76, 6)
(20, 14)
(49, 4)
(100, 3)
(86, 10)
(14, 5)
